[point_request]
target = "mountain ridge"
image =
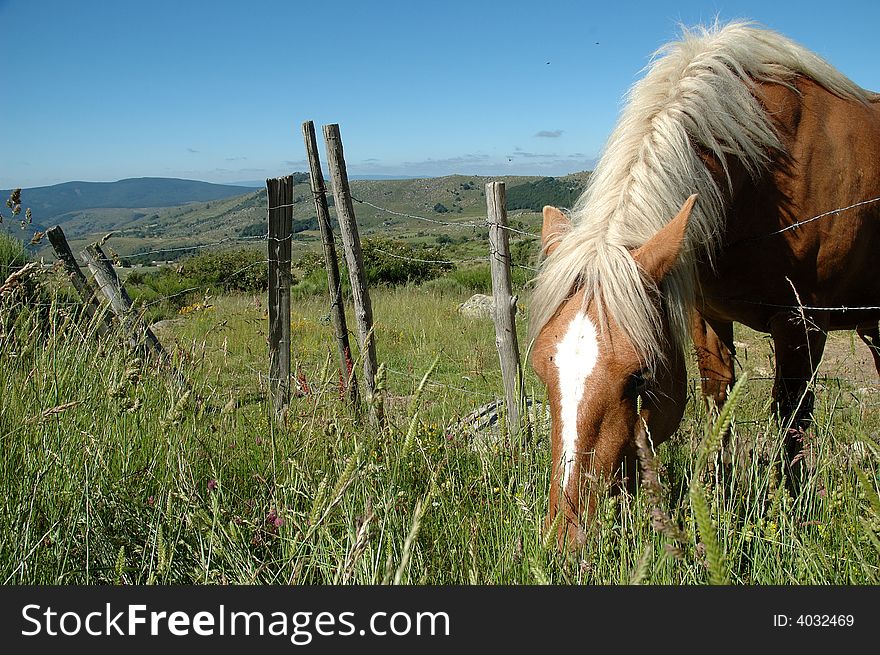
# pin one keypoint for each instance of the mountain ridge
(48, 202)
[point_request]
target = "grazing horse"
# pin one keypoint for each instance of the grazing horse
(741, 183)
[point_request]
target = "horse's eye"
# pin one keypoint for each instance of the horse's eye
(638, 382)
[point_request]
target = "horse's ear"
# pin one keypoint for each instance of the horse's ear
(660, 253)
(555, 225)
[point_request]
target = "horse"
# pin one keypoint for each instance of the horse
(740, 184)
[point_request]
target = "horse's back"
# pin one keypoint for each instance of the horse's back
(832, 148)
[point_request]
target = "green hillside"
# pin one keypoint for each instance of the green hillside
(388, 208)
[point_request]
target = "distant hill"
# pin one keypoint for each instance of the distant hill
(147, 227)
(259, 184)
(50, 202)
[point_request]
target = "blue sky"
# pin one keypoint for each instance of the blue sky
(217, 91)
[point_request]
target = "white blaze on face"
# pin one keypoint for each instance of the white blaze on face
(576, 356)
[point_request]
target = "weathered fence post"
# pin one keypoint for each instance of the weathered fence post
(77, 278)
(139, 333)
(353, 257)
(505, 307)
(280, 216)
(337, 309)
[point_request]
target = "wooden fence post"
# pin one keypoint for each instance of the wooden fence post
(139, 334)
(77, 278)
(505, 307)
(280, 216)
(354, 258)
(337, 309)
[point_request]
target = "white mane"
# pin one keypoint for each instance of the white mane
(697, 94)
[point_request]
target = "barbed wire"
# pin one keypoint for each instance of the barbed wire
(796, 225)
(810, 308)
(431, 261)
(421, 218)
(482, 223)
(203, 287)
(263, 237)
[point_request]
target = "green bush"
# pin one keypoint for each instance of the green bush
(386, 263)
(478, 279)
(314, 283)
(244, 269)
(165, 291)
(394, 263)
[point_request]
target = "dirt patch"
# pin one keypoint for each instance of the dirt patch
(845, 358)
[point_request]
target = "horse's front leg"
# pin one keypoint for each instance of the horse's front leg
(870, 334)
(799, 342)
(713, 343)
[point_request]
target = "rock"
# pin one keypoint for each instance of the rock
(481, 428)
(478, 306)
(167, 324)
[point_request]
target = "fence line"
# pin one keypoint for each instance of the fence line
(504, 257)
(431, 261)
(419, 218)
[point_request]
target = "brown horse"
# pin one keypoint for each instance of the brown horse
(741, 183)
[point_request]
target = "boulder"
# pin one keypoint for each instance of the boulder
(478, 306)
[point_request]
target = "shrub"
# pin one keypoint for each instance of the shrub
(395, 262)
(386, 262)
(244, 269)
(165, 291)
(478, 279)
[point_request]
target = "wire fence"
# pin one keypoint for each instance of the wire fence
(168, 254)
(482, 224)
(472, 224)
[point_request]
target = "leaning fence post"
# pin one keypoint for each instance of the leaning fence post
(280, 216)
(337, 309)
(77, 278)
(505, 306)
(139, 333)
(354, 258)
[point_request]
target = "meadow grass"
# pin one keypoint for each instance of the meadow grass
(112, 473)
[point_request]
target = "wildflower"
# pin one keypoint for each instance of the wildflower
(212, 485)
(273, 519)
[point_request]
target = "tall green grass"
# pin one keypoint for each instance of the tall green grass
(114, 474)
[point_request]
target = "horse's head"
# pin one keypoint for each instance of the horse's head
(595, 377)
